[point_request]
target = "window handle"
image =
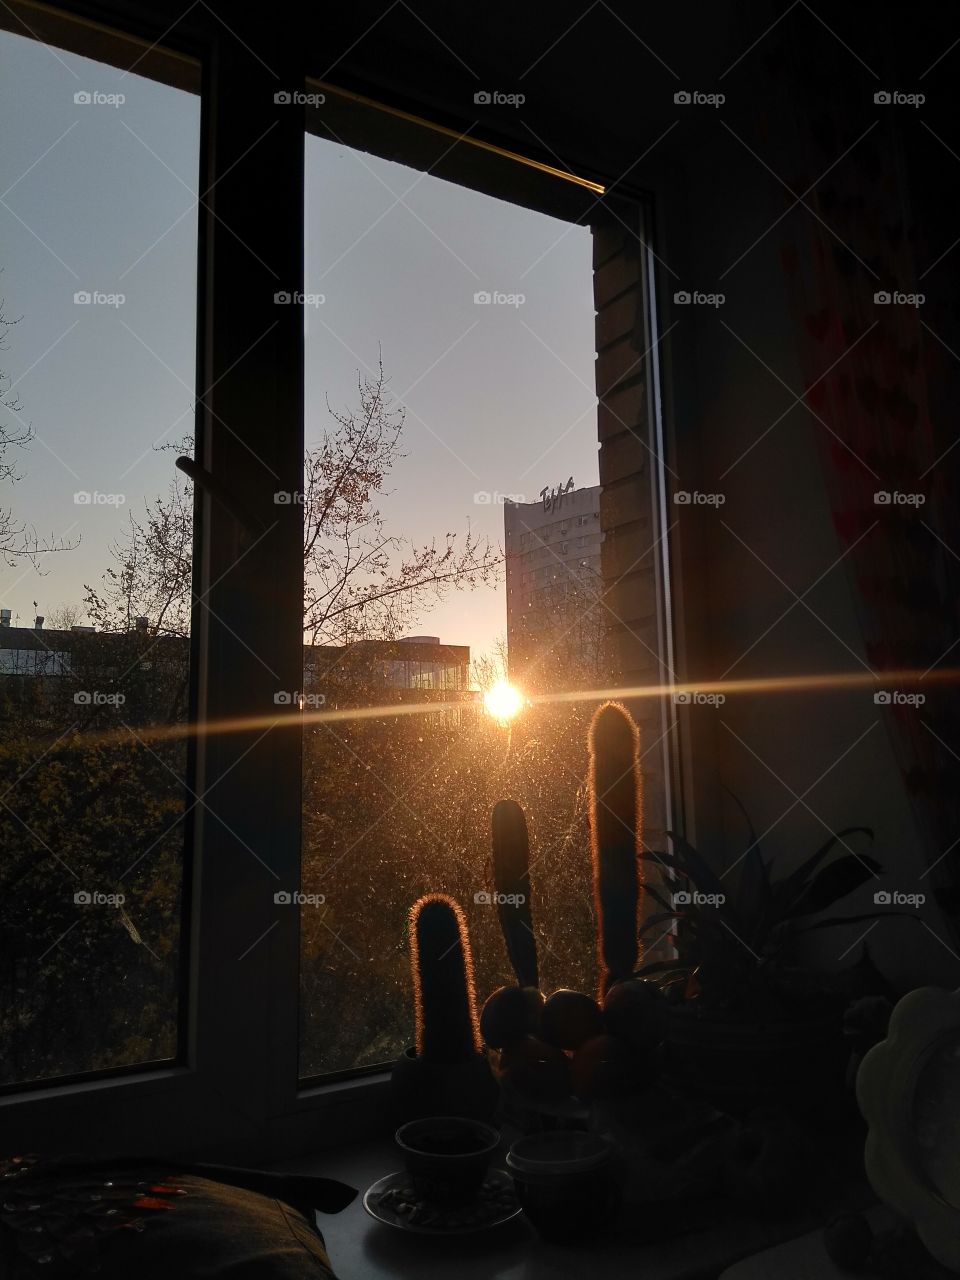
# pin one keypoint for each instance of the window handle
(205, 480)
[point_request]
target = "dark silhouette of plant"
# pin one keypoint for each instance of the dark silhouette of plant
(615, 806)
(511, 877)
(442, 968)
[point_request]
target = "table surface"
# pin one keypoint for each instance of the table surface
(687, 1244)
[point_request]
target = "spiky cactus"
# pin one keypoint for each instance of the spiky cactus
(511, 877)
(442, 966)
(616, 825)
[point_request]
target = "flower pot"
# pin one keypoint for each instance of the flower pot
(738, 1063)
(421, 1088)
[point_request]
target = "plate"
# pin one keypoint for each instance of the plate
(495, 1204)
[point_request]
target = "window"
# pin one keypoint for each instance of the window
(431, 311)
(99, 266)
(240, 724)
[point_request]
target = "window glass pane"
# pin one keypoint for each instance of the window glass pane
(98, 176)
(451, 419)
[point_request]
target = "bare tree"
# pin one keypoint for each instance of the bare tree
(17, 539)
(359, 580)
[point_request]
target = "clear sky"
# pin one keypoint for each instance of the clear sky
(99, 198)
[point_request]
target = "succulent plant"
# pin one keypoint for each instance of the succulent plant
(442, 967)
(733, 943)
(616, 821)
(511, 877)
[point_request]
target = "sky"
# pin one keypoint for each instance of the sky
(99, 198)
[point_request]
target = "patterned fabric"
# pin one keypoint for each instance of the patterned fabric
(77, 1217)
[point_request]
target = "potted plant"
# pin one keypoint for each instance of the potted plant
(746, 1023)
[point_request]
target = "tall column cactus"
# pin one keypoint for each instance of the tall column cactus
(616, 827)
(511, 878)
(444, 995)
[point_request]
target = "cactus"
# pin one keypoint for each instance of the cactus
(442, 967)
(616, 825)
(511, 876)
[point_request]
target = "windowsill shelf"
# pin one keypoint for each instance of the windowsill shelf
(704, 1247)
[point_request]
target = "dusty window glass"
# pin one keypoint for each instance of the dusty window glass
(99, 174)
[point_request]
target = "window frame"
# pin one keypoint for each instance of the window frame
(237, 1093)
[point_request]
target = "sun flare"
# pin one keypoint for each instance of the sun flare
(502, 701)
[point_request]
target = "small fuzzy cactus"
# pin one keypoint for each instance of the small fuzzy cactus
(511, 877)
(442, 967)
(616, 825)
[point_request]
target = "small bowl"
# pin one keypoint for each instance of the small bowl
(570, 1184)
(446, 1156)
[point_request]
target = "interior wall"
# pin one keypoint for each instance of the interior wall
(804, 764)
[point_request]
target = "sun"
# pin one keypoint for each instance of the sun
(502, 701)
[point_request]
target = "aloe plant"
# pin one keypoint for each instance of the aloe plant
(732, 942)
(511, 877)
(615, 810)
(442, 967)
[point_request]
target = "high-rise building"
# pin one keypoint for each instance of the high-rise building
(553, 579)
